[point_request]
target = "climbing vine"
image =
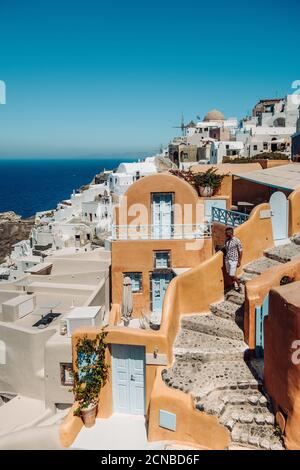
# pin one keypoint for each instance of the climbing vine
(91, 370)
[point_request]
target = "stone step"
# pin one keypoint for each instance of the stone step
(212, 325)
(245, 277)
(260, 265)
(296, 239)
(251, 397)
(246, 414)
(194, 345)
(235, 297)
(215, 403)
(263, 437)
(212, 403)
(283, 253)
(200, 379)
(256, 365)
(227, 310)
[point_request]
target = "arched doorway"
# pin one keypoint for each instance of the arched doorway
(279, 122)
(274, 145)
(279, 210)
(176, 158)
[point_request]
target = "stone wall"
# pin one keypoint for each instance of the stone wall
(13, 229)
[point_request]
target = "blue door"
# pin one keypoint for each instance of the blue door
(162, 215)
(279, 211)
(160, 282)
(128, 376)
(260, 313)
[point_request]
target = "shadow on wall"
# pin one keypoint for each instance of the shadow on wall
(294, 212)
(258, 288)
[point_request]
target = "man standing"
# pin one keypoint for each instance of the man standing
(233, 256)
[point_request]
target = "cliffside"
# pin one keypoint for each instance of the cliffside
(12, 230)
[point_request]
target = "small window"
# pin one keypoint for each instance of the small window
(66, 374)
(254, 147)
(265, 145)
(161, 259)
(136, 281)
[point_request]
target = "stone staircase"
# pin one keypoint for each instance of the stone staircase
(213, 364)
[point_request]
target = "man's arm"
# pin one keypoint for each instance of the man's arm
(240, 250)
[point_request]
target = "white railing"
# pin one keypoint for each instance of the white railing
(161, 232)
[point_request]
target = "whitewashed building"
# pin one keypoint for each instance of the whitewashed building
(270, 128)
(128, 173)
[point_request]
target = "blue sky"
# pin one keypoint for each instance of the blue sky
(92, 77)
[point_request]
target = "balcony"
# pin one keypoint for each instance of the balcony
(229, 218)
(161, 232)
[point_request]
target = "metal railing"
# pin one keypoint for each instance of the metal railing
(161, 232)
(226, 217)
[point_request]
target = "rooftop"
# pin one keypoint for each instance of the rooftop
(73, 282)
(285, 176)
(132, 168)
(228, 168)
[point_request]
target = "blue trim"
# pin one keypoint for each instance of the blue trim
(260, 314)
(167, 420)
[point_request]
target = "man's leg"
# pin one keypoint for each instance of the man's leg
(229, 273)
(232, 281)
(236, 279)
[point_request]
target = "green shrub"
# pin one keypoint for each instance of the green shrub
(209, 178)
(92, 376)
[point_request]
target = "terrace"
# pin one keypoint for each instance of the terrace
(161, 232)
(228, 217)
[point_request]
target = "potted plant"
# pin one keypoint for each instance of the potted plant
(187, 175)
(90, 376)
(208, 182)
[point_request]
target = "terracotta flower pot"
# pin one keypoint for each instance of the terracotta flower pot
(89, 414)
(206, 191)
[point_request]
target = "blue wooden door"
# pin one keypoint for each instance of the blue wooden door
(162, 215)
(260, 313)
(279, 211)
(160, 282)
(128, 375)
(137, 380)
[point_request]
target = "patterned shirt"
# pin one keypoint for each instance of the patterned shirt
(233, 249)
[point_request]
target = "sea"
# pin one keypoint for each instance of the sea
(31, 185)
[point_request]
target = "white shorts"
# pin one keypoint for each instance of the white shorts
(231, 267)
